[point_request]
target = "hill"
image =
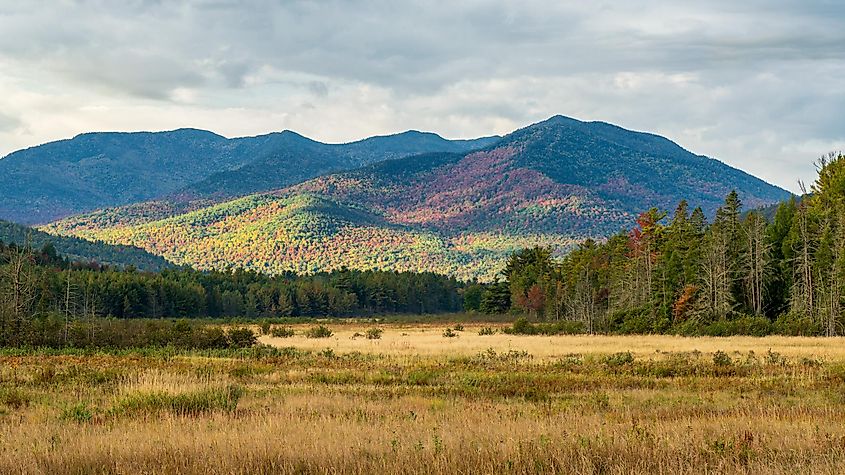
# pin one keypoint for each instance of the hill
(98, 170)
(81, 250)
(552, 183)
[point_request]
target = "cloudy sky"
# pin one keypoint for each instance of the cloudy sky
(758, 84)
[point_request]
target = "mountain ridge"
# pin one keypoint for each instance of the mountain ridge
(95, 170)
(552, 183)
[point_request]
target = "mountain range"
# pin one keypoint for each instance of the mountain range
(412, 201)
(98, 170)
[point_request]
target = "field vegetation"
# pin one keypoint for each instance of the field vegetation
(414, 401)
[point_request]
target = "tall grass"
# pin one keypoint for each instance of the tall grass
(694, 406)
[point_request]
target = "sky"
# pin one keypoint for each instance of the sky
(757, 84)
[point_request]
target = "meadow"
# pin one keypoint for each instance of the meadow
(416, 398)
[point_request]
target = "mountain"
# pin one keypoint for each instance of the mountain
(287, 158)
(98, 170)
(81, 250)
(552, 183)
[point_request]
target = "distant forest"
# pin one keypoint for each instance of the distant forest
(43, 293)
(740, 274)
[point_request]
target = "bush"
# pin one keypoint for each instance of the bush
(77, 413)
(242, 338)
(320, 331)
(639, 321)
(14, 398)
(374, 333)
(619, 359)
(459, 327)
(209, 338)
(794, 325)
(745, 325)
(720, 358)
(265, 327)
(486, 331)
(282, 332)
(523, 327)
(448, 333)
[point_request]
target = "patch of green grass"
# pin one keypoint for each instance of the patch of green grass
(192, 403)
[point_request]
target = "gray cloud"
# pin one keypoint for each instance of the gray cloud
(755, 83)
(9, 123)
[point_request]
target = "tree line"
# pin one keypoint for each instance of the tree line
(740, 273)
(40, 288)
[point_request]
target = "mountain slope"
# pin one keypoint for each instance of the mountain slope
(98, 170)
(553, 183)
(561, 176)
(81, 250)
(287, 158)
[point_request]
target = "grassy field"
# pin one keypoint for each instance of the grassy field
(414, 401)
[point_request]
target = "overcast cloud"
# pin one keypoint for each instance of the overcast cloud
(757, 84)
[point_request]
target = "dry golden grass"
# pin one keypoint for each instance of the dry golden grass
(428, 340)
(422, 403)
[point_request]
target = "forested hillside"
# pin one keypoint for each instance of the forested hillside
(81, 250)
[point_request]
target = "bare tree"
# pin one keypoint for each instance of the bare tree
(17, 281)
(715, 300)
(756, 262)
(803, 291)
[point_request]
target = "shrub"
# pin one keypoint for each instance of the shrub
(14, 398)
(374, 333)
(449, 333)
(745, 325)
(265, 327)
(523, 327)
(459, 327)
(211, 337)
(486, 331)
(796, 325)
(619, 359)
(320, 331)
(282, 332)
(79, 413)
(720, 358)
(639, 320)
(242, 338)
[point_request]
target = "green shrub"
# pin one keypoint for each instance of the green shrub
(720, 358)
(448, 333)
(79, 413)
(265, 327)
(523, 327)
(745, 325)
(374, 333)
(619, 359)
(641, 320)
(486, 331)
(320, 331)
(282, 332)
(14, 398)
(796, 325)
(242, 338)
(459, 327)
